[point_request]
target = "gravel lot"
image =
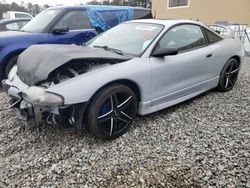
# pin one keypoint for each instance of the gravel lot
(204, 142)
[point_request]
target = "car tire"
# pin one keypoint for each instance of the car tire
(229, 75)
(9, 65)
(112, 111)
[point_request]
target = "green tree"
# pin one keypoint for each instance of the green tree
(117, 2)
(94, 2)
(105, 3)
(45, 6)
(138, 3)
(37, 9)
(133, 3)
(11, 7)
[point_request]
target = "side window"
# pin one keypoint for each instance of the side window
(75, 20)
(212, 37)
(183, 37)
(12, 26)
(18, 15)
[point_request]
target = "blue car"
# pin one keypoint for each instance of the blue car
(63, 25)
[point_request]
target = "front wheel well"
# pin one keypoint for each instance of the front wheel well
(9, 57)
(131, 84)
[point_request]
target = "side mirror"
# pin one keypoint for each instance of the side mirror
(165, 52)
(58, 30)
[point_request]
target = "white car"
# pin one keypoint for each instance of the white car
(15, 14)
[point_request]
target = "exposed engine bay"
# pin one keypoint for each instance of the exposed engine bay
(75, 68)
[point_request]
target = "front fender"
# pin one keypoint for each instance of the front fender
(82, 88)
(7, 53)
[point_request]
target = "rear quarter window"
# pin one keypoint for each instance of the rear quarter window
(212, 37)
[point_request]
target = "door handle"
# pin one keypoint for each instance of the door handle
(209, 55)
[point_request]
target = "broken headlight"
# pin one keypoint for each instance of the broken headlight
(12, 73)
(38, 96)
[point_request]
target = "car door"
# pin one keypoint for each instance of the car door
(80, 30)
(182, 74)
(217, 47)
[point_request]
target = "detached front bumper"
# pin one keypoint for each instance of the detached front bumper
(24, 109)
(28, 108)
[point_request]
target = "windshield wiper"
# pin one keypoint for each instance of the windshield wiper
(108, 48)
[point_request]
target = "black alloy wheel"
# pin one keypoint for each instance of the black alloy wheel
(229, 75)
(112, 111)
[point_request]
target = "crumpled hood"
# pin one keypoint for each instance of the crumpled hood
(37, 62)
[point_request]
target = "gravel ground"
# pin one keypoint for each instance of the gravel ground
(204, 142)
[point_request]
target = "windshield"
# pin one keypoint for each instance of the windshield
(129, 38)
(41, 21)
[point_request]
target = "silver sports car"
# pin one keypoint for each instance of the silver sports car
(138, 67)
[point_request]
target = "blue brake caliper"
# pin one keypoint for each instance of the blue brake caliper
(105, 109)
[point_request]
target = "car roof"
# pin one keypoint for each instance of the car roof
(18, 12)
(167, 22)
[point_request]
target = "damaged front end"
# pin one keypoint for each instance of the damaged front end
(29, 82)
(36, 105)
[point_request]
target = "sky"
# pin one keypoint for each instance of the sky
(49, 2)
